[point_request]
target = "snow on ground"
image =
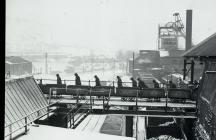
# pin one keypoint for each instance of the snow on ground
(92, 123)
(164, 137)
(44, 132)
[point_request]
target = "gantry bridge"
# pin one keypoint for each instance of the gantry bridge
(152, 102)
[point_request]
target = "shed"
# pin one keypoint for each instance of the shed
(17, 65)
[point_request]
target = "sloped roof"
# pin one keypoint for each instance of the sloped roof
(22, 98)
(15, 59)
(206, 48)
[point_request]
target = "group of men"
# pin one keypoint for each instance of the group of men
(139, 83)
(77, 79)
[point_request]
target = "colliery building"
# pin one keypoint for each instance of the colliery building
(15, 65)
(205, 128)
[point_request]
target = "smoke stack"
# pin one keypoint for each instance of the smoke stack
(188, 42)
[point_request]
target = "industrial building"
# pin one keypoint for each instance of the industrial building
(205, 53)
(15, 65)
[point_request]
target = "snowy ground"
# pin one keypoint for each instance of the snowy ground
(92, 123)
(44, 132)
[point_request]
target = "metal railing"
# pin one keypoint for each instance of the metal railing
(92, 83)
(135, 98)
(25, 118)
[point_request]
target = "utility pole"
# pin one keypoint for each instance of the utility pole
(133, 65)
(46, 64)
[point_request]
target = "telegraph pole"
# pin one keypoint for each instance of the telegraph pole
(133, 65)
(46, 64)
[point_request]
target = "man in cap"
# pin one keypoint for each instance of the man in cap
(59, 82)
(77, 79)
(119, 81)
(141, 84)
(134, 82)
(97, 81)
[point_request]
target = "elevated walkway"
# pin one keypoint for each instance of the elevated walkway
(164, 102)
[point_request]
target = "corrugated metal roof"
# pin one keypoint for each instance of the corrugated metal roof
(206, 48)
(15, 59)
(22, 97)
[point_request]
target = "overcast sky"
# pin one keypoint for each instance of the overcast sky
(103, 25)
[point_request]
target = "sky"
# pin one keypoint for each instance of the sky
(100, 26)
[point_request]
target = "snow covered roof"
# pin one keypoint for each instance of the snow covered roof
(22, 97)
(15, 60)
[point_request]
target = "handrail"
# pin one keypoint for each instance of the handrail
(73, 115)
(109, 90)
(30, 114)
(93, 81)
(108, 99)
(26, 124)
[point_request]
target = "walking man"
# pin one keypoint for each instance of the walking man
(141, 84)
(77, 79)
(119, 81)
(134, 82)
(59, 82)
(97, 81)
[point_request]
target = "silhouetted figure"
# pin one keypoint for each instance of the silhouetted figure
(59, 82)
(119, 82)
(97, 81)
(141, 84)
(134, 82)
(77, 79)
(172, 85)
(195, 89)
(156, 84)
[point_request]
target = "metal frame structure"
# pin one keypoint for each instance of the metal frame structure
(171, 29)
(168, 95)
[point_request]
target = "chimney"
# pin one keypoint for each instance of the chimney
(188, 42)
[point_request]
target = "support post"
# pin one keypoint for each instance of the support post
(10, 131)
(50, 94)
(70, 120)
(136, 100)
(166, 99)
(103, 103)
(48, 113)
(90, 100)
(133, 66)
(146, 121)
(192, 71)
(73, 120)
(77, 100)
(129, 124)
(26, 125)
(185, 69)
